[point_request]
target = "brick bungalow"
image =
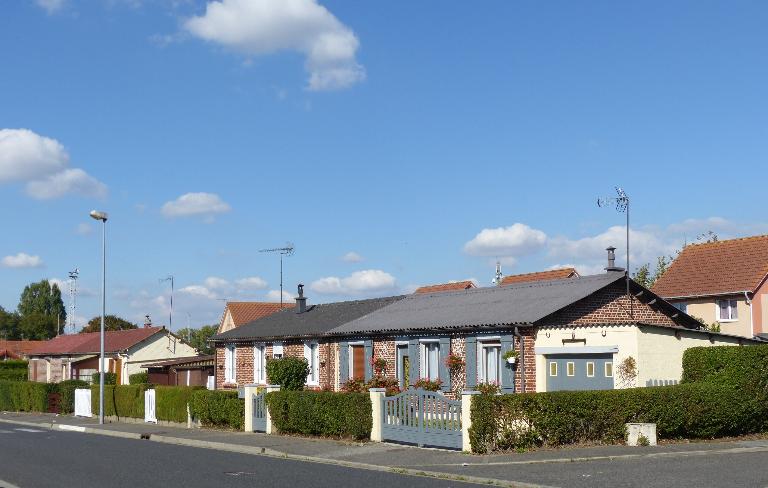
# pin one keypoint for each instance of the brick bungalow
(569, 334)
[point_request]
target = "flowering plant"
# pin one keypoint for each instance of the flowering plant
(491, 388)
(379, 366)
(454, 361)
(428, 384)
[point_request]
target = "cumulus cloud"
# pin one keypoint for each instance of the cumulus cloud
(352, 257)
(51, 6)
(261, 27)
(21, 260)
(359, 282)
(274, 296)
(42, 163)
(216, 283)
(251, 283)
(198, 291)
(516, 240)
(205, 205)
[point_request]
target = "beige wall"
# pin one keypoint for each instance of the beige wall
(227, 323)
(156, 348)
(706, 309)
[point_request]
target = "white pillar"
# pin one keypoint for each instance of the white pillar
(466, 418)
(377, 399)
(250, 392)
(270, 388)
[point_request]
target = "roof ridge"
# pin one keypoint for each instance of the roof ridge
(727, 241)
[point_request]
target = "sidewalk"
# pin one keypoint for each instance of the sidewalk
(370, 455)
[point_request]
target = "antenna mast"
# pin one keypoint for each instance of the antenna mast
(622, 206)
(170, 317)
(73, 297)
(288, 250)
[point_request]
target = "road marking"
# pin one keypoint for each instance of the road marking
(28, 430)
(73, 428)
(6, 432)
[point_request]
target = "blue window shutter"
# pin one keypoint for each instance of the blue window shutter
(413, 358)
(470, 360)
(368, 348)
(444, 372)
(507, 371)
(343, 362)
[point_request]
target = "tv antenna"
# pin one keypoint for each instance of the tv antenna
(170, 316)
(621, 201)
(498, 277)
(288, 250)
(73, 297)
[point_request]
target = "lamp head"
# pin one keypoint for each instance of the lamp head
(95, 214)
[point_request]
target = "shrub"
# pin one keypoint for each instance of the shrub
(25, 396)
(171, 402)
(109, 378)
(321, 413)
(138, 378)
(67, 389)
(427, 384)
(488, 388)
(288, 372)
(13, 370)
(526, 420)
(216, 408)
(120, 400)
(727, 366)
(357, 385)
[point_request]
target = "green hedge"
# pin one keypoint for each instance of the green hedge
(109, 378)
(171, 402)
(288, 372)
(25, 396)
(214, 408)
(696, 410)
(67, 389)
(138, 378)
(321, 413)
(120, 400)
(13, 370)
(727, 365)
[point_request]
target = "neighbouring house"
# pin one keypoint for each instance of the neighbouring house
(721, 282)
(553, 274)
(450, 286)
(568, 334)
(239, 313)
(189, 371)
(76, 356)
(17, 349)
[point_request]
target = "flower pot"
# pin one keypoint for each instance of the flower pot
(511, 360)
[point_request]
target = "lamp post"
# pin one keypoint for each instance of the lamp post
(102, 216)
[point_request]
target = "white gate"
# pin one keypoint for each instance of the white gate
(149, 406)
(83, 402)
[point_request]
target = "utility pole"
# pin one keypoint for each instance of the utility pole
(170, 317)
(288, 250)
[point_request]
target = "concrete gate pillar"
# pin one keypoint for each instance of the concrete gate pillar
(377, 401)
(466, 418)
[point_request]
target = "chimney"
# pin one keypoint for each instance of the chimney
(612, 260)
(301, 301)
(147, 321)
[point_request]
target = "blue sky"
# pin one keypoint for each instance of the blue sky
(427, 138)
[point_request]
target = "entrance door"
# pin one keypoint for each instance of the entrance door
(358, 362)
(403, 366)
(579, 372)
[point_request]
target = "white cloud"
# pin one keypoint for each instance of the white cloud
(42, 163)
(261, 27)
(583, 269)
(516, 240)
(83, 229)
(274, 296)
(205, 205)
(251, 283)
(216, 283)
(352, 257)
(51, 6)
(198, 291)
(21, 260)
(367, 281)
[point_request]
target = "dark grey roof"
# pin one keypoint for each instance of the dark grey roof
(316, 321)
(519, 304)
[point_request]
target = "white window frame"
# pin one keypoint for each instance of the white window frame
(552, 363)
(424, 346)
(482, 361)
(591, 364)
(570, 368)
(230, 363)
(260, 364)
(733, 310)
(277, 350)
(608, 365)
(312, 355)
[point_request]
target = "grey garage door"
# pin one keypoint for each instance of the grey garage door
(579, 372)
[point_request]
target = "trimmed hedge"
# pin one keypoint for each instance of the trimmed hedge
(67, 389)
(25, 396)
(688, 411)
(138, 378)
(321, 413)
(727, 365)
(288, 372)
(171, 402)
(120, 400)
(109, 378)
(214, 408)
(13, 370)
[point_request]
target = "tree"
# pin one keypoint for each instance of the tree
(198, 338)
(9, 325)
(643, 274)
(39, 306)
(111, 322)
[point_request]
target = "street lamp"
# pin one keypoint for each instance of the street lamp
(102, 216)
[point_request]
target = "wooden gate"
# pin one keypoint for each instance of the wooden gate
(421, 417)
(259, 412)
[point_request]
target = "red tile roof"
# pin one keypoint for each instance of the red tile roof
(88, 343)
(452, 286)
(716, 268)
(554, 274)
(244, 312)
(18, 349)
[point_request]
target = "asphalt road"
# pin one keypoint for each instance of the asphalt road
(36, 458)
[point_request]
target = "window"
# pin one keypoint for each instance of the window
(552, 368)
(570, 368)
(727, 310)
(429, 360)
(230, 356)
(312, 355)
(682, 306)
(260, 364)
(490, 359)
(590, 369)
(609, 370)
(277, 350)
(357, 361)
(403, 365)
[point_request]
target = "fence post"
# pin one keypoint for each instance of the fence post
(250, 391)
(466, 418)
(269, 429)
(377, 401)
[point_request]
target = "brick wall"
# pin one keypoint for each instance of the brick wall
(529, 339)
(385, 348)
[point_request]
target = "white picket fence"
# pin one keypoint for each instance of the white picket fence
(83, 402)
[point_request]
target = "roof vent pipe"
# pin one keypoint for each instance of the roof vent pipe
(612, 260)
(301, 301)
(147, 321)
